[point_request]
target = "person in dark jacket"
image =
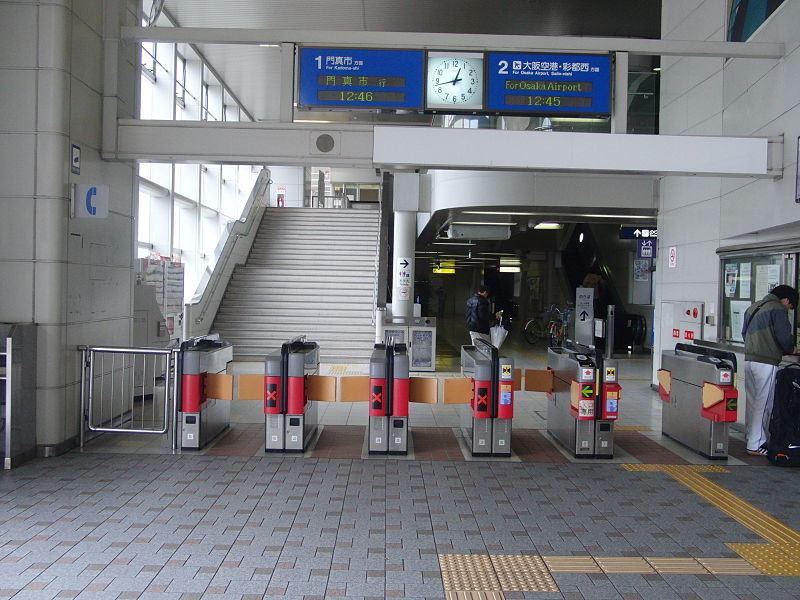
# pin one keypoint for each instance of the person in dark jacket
(478, 315)
(768, 336)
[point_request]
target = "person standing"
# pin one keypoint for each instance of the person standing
(478, 315)
(768, 336)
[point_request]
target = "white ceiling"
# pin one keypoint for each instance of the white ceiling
(253, 73)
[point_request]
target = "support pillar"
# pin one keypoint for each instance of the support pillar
(405, 237)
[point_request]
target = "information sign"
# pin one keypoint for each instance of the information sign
(360, 78)
(635, 233)
(549, 84)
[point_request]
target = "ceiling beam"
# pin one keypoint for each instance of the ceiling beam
(454, 41)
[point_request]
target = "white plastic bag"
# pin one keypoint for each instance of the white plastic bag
(498, 334)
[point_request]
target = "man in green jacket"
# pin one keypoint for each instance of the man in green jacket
(768, 335)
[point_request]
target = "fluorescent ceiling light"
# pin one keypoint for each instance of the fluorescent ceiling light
(505, 223)
(577, 120)
(448, 271)
(269, 45)
(555, 214)
(548, 226)
(454, 244)
(509, 269)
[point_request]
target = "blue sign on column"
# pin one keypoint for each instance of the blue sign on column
(646, 248)
(360, 78)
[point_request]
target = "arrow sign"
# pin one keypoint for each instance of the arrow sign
(404, 263)
(584, 314)
(587, 391)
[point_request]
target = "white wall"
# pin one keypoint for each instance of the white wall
(70, 277)
(739, 97)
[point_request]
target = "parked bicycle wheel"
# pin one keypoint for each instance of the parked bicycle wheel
(533, 331)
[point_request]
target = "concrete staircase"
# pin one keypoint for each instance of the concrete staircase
(310, 272)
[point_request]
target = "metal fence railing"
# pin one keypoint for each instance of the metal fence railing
(129, 390)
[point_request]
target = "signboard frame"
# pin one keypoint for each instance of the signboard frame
(377, 68)
(552, 84)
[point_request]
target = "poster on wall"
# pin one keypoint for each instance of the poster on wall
(731, 274)
(737, 318)
(641, 269)
(744, 280)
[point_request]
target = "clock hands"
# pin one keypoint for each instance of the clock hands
(455, 80)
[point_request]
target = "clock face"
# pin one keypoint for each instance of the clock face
(454, 81)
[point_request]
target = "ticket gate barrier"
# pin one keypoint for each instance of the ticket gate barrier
(584, 402)
(492, 398)
(290, 418)
(388, 399)
(205, 405)
(700, 400)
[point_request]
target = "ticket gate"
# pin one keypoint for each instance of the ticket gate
(290, 419)
(388, 399)
(700, 400)
(492, 399)
(584, 403)
(202, 418)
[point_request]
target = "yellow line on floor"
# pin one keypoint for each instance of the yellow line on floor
(778, 557)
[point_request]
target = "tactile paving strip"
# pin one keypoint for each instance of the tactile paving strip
(623, 564)
(474, 596)
(682, 566)
(728, 566)
(674, 468)
(521, 573)
(770, 559)
(468, 572)
(571, 564)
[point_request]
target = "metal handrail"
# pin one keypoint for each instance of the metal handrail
(199, 313)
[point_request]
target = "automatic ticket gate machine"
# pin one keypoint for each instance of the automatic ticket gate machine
(700, 400)
(492, 399)
(388, 399)
(290, 418)
(205, 408)
(584, 403)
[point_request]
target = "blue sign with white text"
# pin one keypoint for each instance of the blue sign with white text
(549, 84)
(360, 78)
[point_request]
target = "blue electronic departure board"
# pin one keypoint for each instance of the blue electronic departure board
(360, 78)
(549, 84)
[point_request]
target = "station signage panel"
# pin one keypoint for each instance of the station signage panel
(638, 233)
(353, 78)
(548, 84)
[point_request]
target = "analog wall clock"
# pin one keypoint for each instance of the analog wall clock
(454, 81)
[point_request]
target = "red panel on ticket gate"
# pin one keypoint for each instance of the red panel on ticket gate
(296, 395)
(377, 397)
(482, 400)
(582, 401)
(193, 392)
(725, 410)
(399, 398)
(505, 407)
(609, 403)
(272, 395)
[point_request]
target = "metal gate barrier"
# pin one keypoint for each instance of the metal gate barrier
(129, 390)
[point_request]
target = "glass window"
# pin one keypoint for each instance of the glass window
(747, 278)
(747, 15)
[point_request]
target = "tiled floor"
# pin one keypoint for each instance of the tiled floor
(132, 520)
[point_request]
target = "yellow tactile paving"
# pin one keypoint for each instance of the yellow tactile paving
(474, 596)
(683, 566)
(728, 566)
(623, 564)
(745, 513)
(770, 559)
(523, 573)
(779, 557)
(571, 564)
(468, 572)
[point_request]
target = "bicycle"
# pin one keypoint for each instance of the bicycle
(557, 327)
(534, 330)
